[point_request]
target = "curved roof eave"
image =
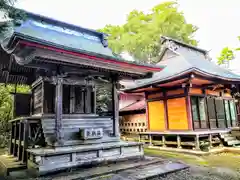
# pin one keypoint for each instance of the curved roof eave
(188, 71)
(17, 36)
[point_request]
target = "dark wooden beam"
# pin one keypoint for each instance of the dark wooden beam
(58, 111)
(188, 108)
(215, 79)
(25, 140)
(10, 147)
(165, 110)
(115, 108)
(94, 99)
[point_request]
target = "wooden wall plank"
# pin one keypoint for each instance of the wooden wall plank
(214, 93)
(175, 92)
(195, 91)
(157, 95)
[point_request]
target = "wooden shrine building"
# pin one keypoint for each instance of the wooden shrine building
(57, 126)
(191, 96)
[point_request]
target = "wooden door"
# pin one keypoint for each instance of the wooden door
(211, 113)
(228, 115)
(156, 116)
(220, 113)
(177, 114)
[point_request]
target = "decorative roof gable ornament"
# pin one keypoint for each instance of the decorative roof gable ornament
(172, 46)
(104, 40)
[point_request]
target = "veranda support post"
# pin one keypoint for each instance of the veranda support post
(197, 142)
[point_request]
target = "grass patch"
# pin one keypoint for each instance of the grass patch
(188, 159)
(225, 160)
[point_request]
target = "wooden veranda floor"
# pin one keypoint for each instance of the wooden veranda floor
(196, 132)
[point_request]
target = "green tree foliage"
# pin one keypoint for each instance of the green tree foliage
(140, 35)
(6, 107)
(11, 15)
(227, 54)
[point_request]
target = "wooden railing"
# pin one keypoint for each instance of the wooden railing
(25, 132)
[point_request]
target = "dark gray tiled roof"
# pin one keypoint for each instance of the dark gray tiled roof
(67, 36)
(188, 62)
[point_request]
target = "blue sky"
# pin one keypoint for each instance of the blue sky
(218, 20)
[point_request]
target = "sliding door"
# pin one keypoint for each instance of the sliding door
(228, 115)
(199, 112)
(212, 113)
(231, 114)
(220, 113)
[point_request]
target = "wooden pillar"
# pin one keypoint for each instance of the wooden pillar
(42, 110)
(88, 99)
(25, 140)
(94, 99)
(197, 142)
(115, 108)
(147, 109)
(179, 141)
(19, 155)
(163, 141)
(215, 109)
(150, 139)
(72, 99)
(165, 110)
(189, 108)
(15, 139)
(139, 137)
(10, 146)
(58, 112)
(210, 141)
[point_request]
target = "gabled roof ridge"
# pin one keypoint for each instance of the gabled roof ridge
(57, 22)
(164, 38)
(169, 77)
(179, 54)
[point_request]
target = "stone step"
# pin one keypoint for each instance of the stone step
(146, 172)
(233, 142)
(9, 163)
(225, 135)
(105, 170)
(141, 169)
(229, 138)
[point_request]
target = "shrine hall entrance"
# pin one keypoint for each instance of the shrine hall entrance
(77, 99)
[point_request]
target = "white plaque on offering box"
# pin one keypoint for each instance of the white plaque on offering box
(91, 133)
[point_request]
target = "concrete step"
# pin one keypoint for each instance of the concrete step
(9, 163)
(225, 135)
(229, 138)
(233, 142)
(152, 171)
(142, 169)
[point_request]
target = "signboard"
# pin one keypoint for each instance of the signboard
(91, 133)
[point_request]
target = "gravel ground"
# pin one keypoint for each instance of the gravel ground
(201, 173)
(194, 173)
